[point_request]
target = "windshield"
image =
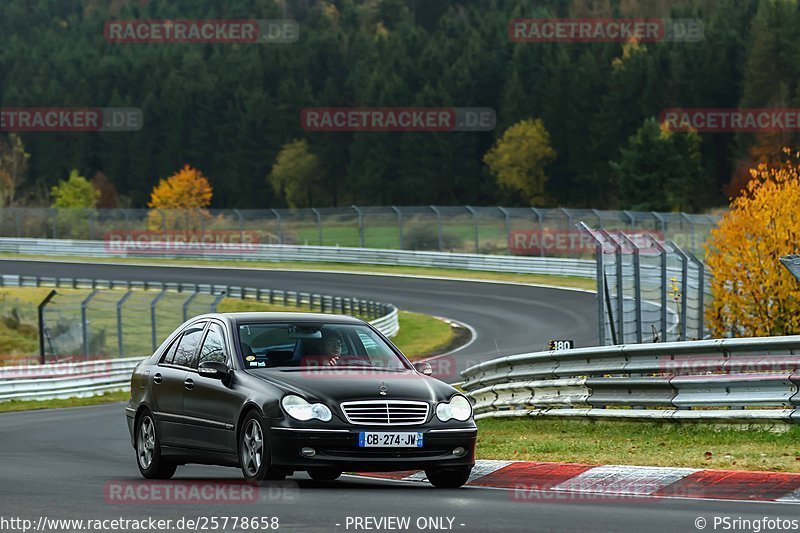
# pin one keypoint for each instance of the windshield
(272, 345)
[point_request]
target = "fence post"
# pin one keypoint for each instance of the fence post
(632, 219)
(620, 293)
(684, 284)
(187, 303)
(153, 305)
(474, 226)
(399, 223)
(637, 285)
(438, 225)
(17, 222)
(280, 225)
(85, 322)
(41, 307)
(569, 217)
(53, 217)
(319, 224)
(601, 293)
(120, 303)
(662, 254)
(691, 229)
(360, 225)
(599, 217)
(216, 301)
(241, 224)
(540, 220)
(89, 224)
(508, 223)
(661, 222)
(701, 293)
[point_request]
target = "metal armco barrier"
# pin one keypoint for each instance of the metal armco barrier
(66, 380)
(322, 254)
(753, 380)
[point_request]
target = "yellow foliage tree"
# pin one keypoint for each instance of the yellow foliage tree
(518, 159)
(180, 201)
(754, 295)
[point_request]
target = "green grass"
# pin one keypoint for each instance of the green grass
(27, 405)
(421, 335)
(536, 279)
(649, 444)
(388, 236)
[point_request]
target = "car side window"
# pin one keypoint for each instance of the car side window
(214, 345)
(169, 356)
(186, 354)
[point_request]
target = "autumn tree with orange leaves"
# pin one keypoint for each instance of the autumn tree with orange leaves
(180, 201)
(754, 295)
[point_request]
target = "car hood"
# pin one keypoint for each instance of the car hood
(335, 386)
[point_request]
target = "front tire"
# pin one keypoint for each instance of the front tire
(148, 450)
(450, 478)
(323, 474)
(254, 454)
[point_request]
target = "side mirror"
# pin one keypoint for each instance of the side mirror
(424, 368)
(213, 369)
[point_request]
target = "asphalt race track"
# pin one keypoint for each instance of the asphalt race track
(64, 463)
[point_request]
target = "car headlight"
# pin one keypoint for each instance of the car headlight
(458, 408)
(300, 409)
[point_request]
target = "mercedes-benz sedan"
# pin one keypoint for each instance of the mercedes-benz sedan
(275, 393)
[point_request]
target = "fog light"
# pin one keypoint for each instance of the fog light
(458, 452)
(308, 452)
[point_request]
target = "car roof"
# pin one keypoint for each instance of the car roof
(283, 317)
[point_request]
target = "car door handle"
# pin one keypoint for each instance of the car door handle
(188, 383)
(157, 378)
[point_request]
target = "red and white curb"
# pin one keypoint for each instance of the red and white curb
(528, 478)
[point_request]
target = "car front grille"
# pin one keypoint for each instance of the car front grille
(385, 412)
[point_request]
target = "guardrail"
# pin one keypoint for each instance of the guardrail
(66, 380)
(320, 254)
(753, 380)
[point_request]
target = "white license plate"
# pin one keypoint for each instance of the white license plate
(386, 439)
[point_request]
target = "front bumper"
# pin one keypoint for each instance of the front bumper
(337, 449)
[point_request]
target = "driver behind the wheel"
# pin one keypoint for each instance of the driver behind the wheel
(332, 344)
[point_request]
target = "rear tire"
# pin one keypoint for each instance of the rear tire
(254, 454)
(148, 450)
(452, 478)
(324, 474)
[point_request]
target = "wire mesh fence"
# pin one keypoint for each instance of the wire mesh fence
(83, 319)
(648, 290)
(485, 230)
(115, 322)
